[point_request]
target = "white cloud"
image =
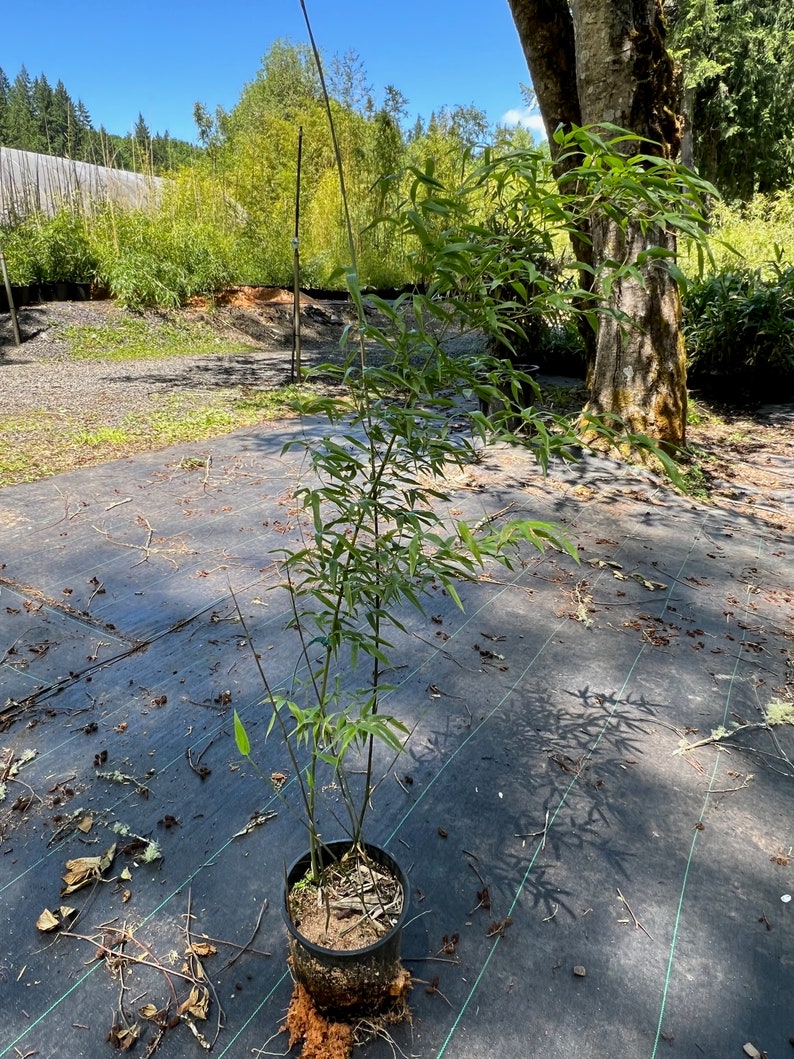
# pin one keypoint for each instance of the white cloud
(525, 117)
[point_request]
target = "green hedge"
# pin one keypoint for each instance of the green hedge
(739, 327)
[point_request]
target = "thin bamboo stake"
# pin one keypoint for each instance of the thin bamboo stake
(11, 309)
(295, 373)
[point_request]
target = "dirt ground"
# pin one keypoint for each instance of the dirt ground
(743, 454)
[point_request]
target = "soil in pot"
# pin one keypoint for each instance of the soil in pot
(345, 933)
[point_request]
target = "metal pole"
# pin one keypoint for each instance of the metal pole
(11, 309)
(296, 273)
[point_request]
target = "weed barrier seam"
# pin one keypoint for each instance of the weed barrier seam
(563, 798)
(693, 844)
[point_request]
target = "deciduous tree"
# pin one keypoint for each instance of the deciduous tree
(599, 63)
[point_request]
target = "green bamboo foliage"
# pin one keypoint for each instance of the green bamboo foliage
(228, 216)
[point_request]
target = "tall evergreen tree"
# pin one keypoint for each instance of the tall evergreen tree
(141, 145)
(84, 130)
(737, 58)
(41, 106)
(5, 87)
(61, 121)
(20, 128)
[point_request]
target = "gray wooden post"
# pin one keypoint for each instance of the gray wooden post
(11, 309)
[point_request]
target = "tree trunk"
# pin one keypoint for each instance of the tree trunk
(545, 30)
(640, 369)
(622, 75)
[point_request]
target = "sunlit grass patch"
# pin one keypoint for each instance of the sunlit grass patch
(145, 337)
(40, 444)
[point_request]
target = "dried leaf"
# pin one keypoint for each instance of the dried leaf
(149, 1011)
(499, 928)
(85, 824)
(256, 821)
(107, 858)
(197, 1003)
(47, 921)
(124, 1037)
(203, 948)
(84, 870)
(603, 564)
(650, 585)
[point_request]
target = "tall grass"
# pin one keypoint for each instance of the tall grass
(748, 235)
(210, 226)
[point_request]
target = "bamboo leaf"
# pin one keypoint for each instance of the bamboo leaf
(241, 736)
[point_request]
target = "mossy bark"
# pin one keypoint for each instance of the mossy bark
(640, 369)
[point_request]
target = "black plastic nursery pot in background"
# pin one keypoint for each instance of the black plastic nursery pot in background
(354, 981)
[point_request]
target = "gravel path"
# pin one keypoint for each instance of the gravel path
(749, 455)
(39, 374)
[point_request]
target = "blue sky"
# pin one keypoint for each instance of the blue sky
(159, 58)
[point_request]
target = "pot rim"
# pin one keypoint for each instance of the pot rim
(381, 856)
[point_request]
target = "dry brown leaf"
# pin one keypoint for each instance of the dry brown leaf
(149, 1011)
(203, 948)
(257, 819)
(197, 1003)
(47, 921)
(85, 824)
(82, 871)
(54, 920)
(124, 1037)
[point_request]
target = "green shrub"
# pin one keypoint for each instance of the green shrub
(739, 325)
(43, 249)
(20, 256)
(747, 235)
(157, 259)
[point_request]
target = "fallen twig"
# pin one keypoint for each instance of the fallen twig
(732, 790)
(637, 923)
(493, 517)
(207, 465)
(537, 834)
(145, 548)
(719, 735)
(254, 932)
(195, 964)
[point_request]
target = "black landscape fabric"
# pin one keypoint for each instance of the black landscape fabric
(596, 819)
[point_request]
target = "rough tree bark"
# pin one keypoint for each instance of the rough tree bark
(595, 61)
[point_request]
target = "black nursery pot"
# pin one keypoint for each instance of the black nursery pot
(353, 981)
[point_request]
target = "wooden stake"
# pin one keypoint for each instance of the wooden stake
(11, 309)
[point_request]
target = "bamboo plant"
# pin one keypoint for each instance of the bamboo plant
(375, 534)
